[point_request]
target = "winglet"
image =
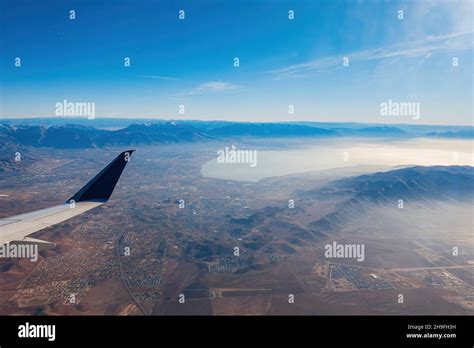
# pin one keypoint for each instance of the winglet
(100, 188)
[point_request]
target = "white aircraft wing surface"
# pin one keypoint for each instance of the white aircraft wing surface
(16, 229)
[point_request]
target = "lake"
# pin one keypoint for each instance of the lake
(343, 154)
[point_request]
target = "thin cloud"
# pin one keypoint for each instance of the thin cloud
(214, 87)
(449, 42)
(157, 77)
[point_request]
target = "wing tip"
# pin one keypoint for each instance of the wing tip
(101, 186)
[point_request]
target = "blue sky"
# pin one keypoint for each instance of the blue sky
(190, 62)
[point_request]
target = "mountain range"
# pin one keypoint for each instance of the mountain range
(74, 136)
(71, 136)
(355, 195)
(352, 198)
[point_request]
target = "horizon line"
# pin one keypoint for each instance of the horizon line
(220, 120)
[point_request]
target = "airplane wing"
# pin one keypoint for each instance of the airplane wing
(97, 191)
